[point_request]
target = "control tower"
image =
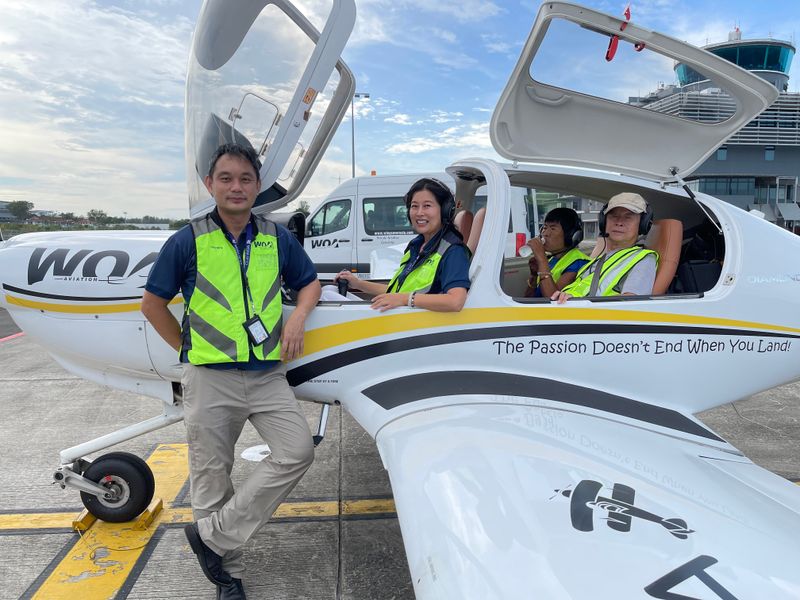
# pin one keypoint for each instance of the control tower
(769, 59)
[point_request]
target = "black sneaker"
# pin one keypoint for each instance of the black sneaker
(233, 591)
(210, 561)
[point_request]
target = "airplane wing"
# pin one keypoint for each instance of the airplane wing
(498, 499)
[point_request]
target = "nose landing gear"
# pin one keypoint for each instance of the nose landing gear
(116, 487)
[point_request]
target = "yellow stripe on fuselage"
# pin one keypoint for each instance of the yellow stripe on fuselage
(86, 309)
(323, 338)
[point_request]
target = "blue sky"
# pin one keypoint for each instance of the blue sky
(91, 93)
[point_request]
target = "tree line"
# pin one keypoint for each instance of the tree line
(21, 210)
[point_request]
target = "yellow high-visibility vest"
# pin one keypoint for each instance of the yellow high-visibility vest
(214, 319)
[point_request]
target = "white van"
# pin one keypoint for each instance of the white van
(365, 214)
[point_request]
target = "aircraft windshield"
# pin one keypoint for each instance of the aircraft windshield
(242, 86)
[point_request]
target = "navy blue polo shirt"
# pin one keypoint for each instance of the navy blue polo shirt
(175, 270)
(453, 271)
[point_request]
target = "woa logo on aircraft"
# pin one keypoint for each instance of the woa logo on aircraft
(83, 265)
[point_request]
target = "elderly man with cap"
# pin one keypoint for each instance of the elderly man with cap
(623, 267)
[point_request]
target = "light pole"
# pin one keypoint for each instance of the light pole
(353, 126)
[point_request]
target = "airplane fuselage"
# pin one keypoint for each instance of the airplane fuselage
(566, 389)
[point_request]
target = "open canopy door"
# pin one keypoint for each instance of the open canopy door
(538, 122)
(261, 75)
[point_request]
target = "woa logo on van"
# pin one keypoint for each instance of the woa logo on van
(329, 243)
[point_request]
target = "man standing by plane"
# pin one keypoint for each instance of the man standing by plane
(232, 342)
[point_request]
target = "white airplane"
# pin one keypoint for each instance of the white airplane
(535, 450)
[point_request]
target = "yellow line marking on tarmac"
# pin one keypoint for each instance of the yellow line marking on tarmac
(368, 507)
(294, 510)
(99, 563)
(287, 510)
(37, 521)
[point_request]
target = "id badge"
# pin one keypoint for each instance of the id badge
(256, 330)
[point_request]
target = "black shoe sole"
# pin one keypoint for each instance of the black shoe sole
(197, 547)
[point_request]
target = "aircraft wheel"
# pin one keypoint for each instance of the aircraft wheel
(130, 480)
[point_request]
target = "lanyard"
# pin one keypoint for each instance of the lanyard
(244, 259)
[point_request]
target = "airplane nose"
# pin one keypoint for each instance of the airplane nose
(5, 269)
(10, 267)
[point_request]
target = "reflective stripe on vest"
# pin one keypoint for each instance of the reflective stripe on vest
(582, 284)
(213, 323)
(565, 261)
(421, 278)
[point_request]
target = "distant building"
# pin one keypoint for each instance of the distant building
(5, 216)
(758, 168)
(162, 226)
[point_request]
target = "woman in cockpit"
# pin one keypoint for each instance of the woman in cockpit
(556, 259)
(434, 271)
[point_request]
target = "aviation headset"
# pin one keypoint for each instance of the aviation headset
(645, 219)
(448, 206)
(572, 225)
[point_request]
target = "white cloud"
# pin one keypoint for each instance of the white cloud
(442, 116)
(499, 47)
(373, 24)
(330, 173)
(709, 31)
(497, 44)
(447, 36)
(474, 136)
(91, 108)
(362, 108)
(399, 23)
(399, 119)
(70, 176)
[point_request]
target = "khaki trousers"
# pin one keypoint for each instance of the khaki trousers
(216, 405)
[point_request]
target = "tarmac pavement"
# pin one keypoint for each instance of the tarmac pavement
(313, 552)
(337, 536)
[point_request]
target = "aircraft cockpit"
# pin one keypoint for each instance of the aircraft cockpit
(686, 234)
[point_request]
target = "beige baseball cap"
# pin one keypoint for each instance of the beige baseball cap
(630, 200)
